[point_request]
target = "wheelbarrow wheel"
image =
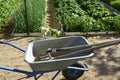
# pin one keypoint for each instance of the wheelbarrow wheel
(73, 74)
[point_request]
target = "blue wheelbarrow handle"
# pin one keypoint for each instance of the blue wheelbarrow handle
(13, 45)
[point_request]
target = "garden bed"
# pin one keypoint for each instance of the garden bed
(86, 16)
(13, 15)
(73, 15)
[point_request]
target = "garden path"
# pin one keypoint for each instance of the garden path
(51, 20)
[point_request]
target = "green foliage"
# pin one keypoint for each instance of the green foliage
(112, 24)
(116, 22)
(85, 16)
(94, 9)
(19, 20)
(14, 10)
(107, 1)
(115, 4)
(69, 12)
(35, 13)
(7, 8)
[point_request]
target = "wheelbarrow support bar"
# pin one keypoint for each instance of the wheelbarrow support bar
(13, 45)
(15, 70)
(34, 73)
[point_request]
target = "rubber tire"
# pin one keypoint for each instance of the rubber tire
(68, 76)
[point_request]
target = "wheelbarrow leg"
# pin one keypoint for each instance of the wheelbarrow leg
(56, 75)
(35, 78)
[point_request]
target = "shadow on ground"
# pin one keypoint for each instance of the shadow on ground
(107, 62)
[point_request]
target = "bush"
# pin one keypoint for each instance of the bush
(68, 12)
(107, 1)
(116, 22)
(115, 4)
(86, 16)
(112, 24)
(7, 8)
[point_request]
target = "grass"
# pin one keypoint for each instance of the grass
(36, 15)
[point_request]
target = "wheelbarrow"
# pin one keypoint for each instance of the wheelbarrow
(58, 54)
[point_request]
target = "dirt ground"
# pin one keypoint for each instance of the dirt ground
(104, 65)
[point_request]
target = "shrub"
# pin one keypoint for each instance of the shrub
(116, 24)
(112, 24)
(7, 8)
(107, 1)
(115, 4)
(86, 16)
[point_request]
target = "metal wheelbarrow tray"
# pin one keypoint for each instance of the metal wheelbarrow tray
(39, 48)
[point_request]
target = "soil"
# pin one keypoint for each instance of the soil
(104, 65)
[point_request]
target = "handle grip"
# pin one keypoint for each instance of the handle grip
(13, 45)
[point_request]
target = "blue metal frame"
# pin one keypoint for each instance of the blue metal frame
(13, 45)
(34, 73)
